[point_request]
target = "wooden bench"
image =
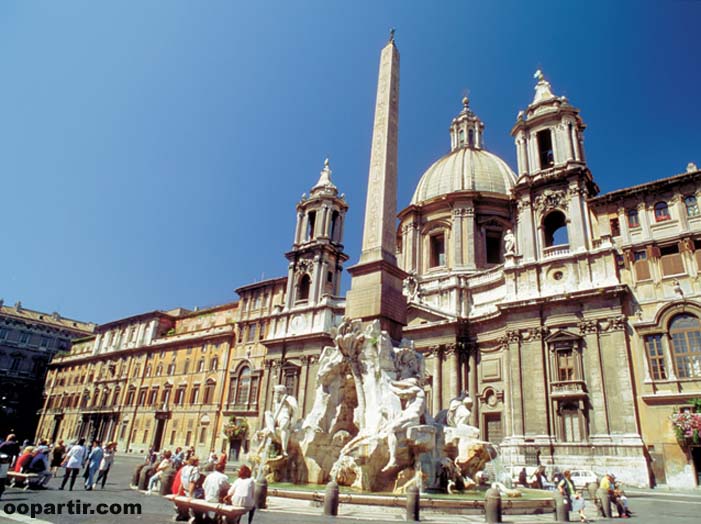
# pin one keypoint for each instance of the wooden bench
(230, 514)
(21, 478)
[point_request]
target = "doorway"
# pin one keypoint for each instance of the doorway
(158, 436)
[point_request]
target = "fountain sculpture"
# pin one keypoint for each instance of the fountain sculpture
(368, 427)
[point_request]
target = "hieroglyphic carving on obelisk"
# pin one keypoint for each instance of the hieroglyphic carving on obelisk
(376, 285)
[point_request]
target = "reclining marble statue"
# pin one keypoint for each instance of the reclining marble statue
(369, 427)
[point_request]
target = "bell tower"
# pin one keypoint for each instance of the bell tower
(317, 257)
(554, 181)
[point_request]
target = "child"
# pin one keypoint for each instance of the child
(578, 506)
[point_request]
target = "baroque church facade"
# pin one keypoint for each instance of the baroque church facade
(572, 319)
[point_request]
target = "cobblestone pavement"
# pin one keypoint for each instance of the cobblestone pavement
(649, 507)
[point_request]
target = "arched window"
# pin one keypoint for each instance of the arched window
(213, 364)
(311, 220)
(303, 290)
(115, 396)
(685, 334)
(692, 206)
(200, 365)
(171, 368)
(334, 227)
(661, 212)
(243, 391)
(471, 138)
(159, 370)
(633, 220)
(555, 229)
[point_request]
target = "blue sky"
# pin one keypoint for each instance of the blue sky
(151, 153)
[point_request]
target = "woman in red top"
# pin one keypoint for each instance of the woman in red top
(24, 459)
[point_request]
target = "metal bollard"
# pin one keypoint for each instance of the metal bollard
(605, 501)
(331, 499)
(492, 506)
(562, 509)
(413, 504)
(261, 494)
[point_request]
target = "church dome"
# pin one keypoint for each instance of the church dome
(465, 169)
(468, 167)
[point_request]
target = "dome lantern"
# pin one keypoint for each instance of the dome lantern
(466, 129)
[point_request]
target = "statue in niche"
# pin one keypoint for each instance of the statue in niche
(410, 391)
(279, 421)
(410, 288)
(509, 243)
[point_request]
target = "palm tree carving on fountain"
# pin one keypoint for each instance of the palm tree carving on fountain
(350, 341)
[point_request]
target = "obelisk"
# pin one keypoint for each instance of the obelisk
(376, 285)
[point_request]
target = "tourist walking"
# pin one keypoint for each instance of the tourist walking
(57, 455)
(106, 464)
(93, 465)
(73, 462)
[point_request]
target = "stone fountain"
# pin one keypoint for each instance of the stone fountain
(369, 428)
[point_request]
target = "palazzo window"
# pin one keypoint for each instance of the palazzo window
(142, 396)
(209, 392)
(545, 148)
(615, 227)
(633, 219)
(179, 396)
(131, 393)
(671, 260)
(437, 247)
(692, 206)
(661, 212)
(290, 379)
(195, 395)
(655, 357)
(641, 265)
(244, 389)
(213, 364)
(685, 334)
(153, 396)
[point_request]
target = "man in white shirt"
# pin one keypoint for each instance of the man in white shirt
(216, 484)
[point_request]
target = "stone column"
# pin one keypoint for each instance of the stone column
(472, 382)
(317, 277)
(289, 292)
(513, 345)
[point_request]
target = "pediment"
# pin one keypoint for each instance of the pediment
(418, 314)
(562, 335)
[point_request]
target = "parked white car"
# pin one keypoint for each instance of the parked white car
(582, 477)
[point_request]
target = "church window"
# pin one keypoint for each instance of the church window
(437, 246)
(311, 219)
(545, 148)
(692, 207)
(685, 333)
(303, 290)
(565, 362)
(471, 138)
(493, 244)
(571, 422)
(633, 219)
(615, 227)
(555, 229)
(290, 376)
(461, 137)
(661, 212)
(655, 357)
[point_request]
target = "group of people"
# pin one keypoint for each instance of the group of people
(192, 480)
(43, 460)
